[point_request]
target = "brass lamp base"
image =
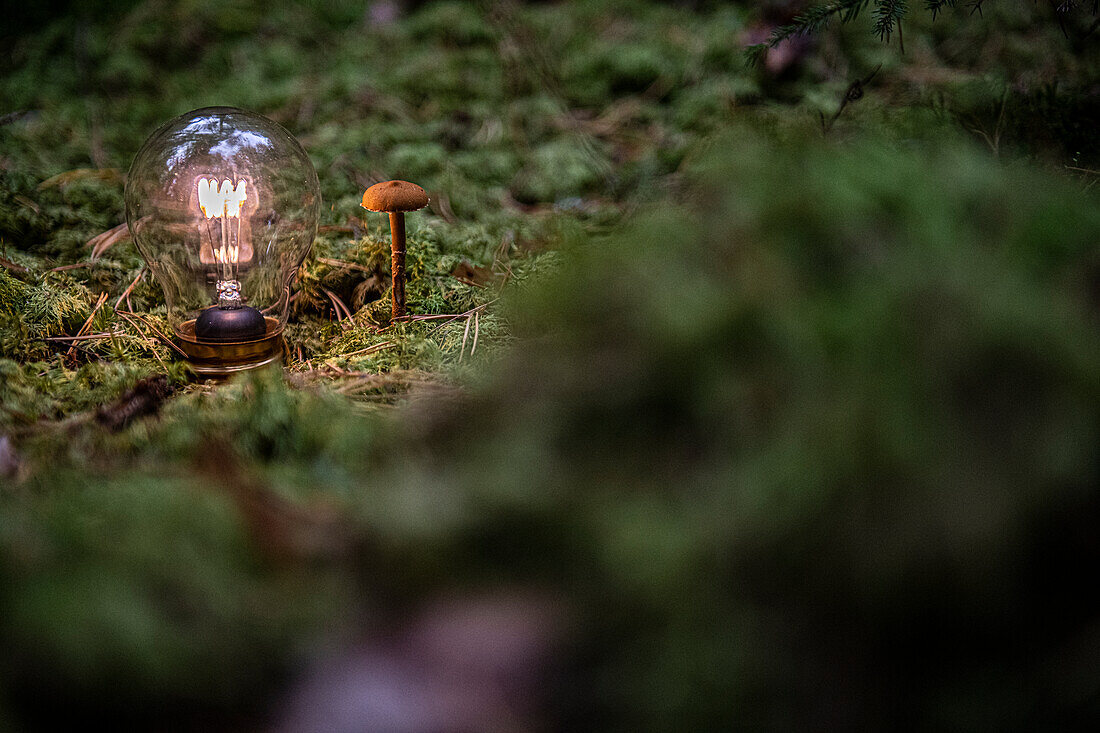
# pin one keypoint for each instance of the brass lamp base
(223, 359)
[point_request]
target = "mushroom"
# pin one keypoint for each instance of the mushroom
(395, 198)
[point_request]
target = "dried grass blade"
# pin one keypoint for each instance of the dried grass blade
(371, 349)
(71, 353)
(129, 289)
(345, 265)
(338, 306)
(102, 242)
(477, 331)
(163, 339)
(465, 335)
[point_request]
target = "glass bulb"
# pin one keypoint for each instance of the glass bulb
(223, 206)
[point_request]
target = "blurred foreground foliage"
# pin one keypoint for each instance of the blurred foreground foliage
(792, 429)
(818, 444)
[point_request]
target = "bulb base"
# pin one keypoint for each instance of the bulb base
(221, 359)
(227, 324)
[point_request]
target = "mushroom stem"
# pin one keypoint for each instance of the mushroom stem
(395, 198)
(397, 246)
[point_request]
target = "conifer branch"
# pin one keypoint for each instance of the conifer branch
(888, 13)
(809, 21)
(935, 6)
(888, 16)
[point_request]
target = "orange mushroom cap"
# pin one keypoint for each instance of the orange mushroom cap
(393, 196)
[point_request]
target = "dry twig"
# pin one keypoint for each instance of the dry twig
(854, 93)
(86, 337)
(12, 267)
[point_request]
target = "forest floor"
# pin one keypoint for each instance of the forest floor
(645, 265)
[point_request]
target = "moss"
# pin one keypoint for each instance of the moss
(755, 402)
(555, 169)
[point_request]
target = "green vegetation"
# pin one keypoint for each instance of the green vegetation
(1070, 17)
(781, 415)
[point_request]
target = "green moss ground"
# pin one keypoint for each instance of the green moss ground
(797, 429)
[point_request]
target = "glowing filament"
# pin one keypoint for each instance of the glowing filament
(227, 255)
(225, 201)
(219, 203)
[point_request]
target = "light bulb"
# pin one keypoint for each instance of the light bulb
(223, 206)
